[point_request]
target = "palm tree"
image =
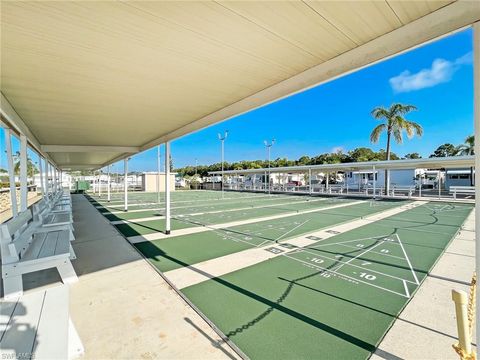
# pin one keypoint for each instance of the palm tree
(468, 148)
(394, 123)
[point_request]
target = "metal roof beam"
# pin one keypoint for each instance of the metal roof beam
(89, 148)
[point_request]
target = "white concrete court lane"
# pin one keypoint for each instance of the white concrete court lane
(205, 270)
(123, 309)
(197, 229)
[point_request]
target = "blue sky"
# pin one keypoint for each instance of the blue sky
(437, 78)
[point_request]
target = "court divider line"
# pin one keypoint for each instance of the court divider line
(160, 206)
(150, 218)
(119, 203)
(205, 270)
(197, 229)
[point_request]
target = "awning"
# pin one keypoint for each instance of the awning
(94, 82)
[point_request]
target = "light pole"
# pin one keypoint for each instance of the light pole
(222, 140)
(268, 146)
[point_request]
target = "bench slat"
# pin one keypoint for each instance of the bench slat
(6, 311)
(20, 335)
(52, 331)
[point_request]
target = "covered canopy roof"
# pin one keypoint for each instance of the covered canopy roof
(93, 82)
(428, 163)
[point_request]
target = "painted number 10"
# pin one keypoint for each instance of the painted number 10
(367, 276)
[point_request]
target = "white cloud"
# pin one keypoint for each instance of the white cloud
(441, 71)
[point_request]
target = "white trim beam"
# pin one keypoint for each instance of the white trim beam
(11, 173)
(167, 188)
(88, 148)
(476, 120)
(23, 173)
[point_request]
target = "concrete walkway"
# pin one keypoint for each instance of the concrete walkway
(121, 307)
(426, 329)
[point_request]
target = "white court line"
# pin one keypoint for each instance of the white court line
(408, 260)
(219, 266)
(350, 264)
(150, 218)
(356, 257)
(296, 227)
(375, 252)
(119, 203)
(159, 208)
(193, 230)
(349, 277)
(407, 292)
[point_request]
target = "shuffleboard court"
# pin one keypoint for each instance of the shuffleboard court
(173, 253)
(337, 296)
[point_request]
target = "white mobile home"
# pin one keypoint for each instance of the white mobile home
(459, 177)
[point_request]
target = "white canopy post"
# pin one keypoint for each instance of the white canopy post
(167, 188)
(374, 182)
(100, 182)
(46, 176)
(40, 169)
(108, 183)
(310, 181)
(326, 183)
(125, 184)
(11, 172)
(476, 102)
(158, 174)
(439, 182)
(55, 181)
(23, 173)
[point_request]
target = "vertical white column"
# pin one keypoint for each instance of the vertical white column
(374, 182)
(99, 182)
(40, 169)
(476, 104)
(420, 186)
(45, 174)
(108, 183)
(11, 172)
(23, 173)
(125, 184)
(326, 182)
(439, 183)
(167, 188)
(310, 181)
(158, 174)
(54, 179)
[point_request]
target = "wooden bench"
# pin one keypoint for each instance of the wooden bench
(465, 190)
(26, 247)
(37, 326)
(408, 189)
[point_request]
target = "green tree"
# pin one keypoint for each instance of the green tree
(414, 155)
(394, 123)
(444, 150)
(468, 148)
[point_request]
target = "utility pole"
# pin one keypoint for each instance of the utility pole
(222, 140)
(268, 147)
